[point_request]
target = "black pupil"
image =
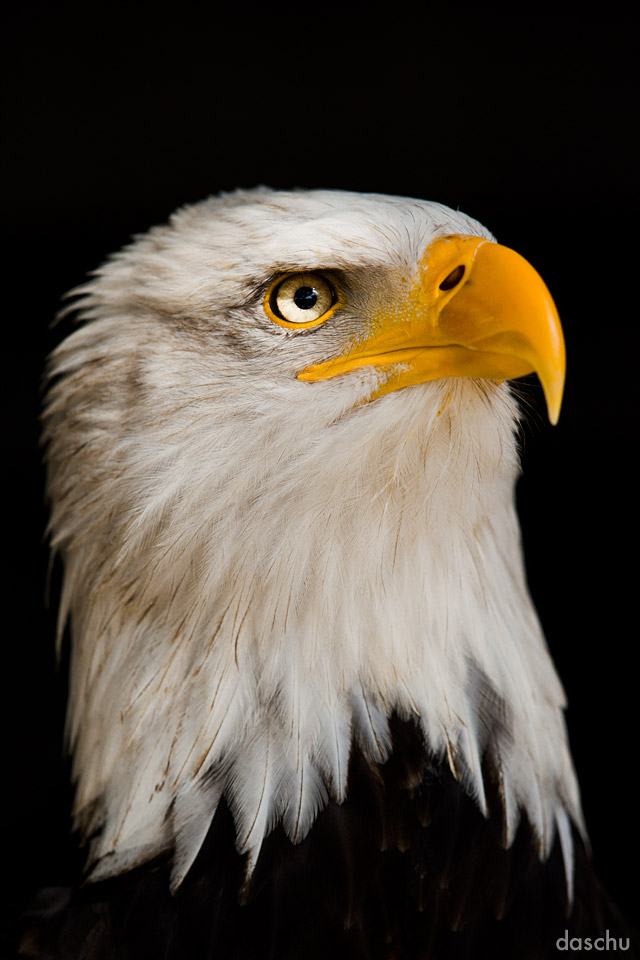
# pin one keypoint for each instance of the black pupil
(305, 298)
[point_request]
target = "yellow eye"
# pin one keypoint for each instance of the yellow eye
(301, 300)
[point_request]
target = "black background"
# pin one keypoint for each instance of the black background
(116, 115)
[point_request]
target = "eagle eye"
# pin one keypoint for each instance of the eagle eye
(300, 300)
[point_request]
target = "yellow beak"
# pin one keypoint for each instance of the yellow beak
(476, 309)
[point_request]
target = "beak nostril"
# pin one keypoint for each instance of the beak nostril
(452, 279)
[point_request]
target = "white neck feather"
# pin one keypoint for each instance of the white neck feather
(236, 627)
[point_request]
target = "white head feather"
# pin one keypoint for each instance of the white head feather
(259, 571)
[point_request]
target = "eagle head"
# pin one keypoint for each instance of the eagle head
(281, 465)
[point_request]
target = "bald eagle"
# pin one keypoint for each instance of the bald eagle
(312, 712)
